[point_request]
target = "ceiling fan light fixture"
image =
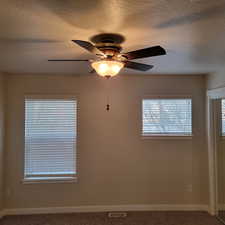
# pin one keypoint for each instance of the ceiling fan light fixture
(107, 68)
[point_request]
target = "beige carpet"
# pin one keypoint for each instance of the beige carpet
(133, 218)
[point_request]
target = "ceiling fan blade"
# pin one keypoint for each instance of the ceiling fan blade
(145, 52)
(92, 71)
(88, 46)
(68, 60)
(137, 66)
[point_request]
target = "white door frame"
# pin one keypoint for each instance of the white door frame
(212, 95)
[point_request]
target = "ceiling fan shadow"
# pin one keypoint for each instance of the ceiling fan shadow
(80, 13)
(193, 17)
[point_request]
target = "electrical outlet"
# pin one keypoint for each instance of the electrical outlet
(8, 192)
(189, 188)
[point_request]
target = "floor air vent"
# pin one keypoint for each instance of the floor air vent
(117, 214)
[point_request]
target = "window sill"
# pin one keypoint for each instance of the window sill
(166, 136)
(51, 180)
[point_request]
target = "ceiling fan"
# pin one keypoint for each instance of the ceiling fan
(110, 59)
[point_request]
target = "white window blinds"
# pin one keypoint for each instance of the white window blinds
(167, 117)
(50, 138)
(223, 116)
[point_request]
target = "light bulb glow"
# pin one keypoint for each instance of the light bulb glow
(107, 67)
(103, 67)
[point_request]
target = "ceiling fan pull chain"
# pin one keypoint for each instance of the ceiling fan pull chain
(107, 94)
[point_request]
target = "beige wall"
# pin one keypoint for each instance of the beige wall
(216, 80)
(2, 106)
(116, 166)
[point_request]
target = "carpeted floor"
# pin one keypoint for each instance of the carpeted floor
(133, 218)
(221, 215)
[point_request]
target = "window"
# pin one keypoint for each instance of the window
(167, 117)
(50, 139)
(223, 116)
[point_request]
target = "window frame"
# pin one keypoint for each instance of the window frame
(166, 135)
(47, 178)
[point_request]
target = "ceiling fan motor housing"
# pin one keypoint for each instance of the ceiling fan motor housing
(107, 38)
(108, 43)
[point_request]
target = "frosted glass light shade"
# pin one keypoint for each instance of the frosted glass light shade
(107, 68)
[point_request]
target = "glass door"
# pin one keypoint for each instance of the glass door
(220, 158)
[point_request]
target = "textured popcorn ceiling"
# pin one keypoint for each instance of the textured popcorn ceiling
(32, 31)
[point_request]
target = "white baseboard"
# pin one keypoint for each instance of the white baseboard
(104, 208)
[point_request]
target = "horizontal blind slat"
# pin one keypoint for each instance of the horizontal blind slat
(167, 116)
(50, 137)
(223, 116)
